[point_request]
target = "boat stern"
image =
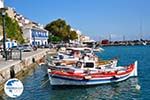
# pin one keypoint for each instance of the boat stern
(135, 71)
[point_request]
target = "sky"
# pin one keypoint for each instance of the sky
(99, 19)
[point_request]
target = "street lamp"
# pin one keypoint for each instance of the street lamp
(3, 13)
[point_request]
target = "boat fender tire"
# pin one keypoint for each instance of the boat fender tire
(114, 78)
(79, 64)
(12, 72)
(33, 60)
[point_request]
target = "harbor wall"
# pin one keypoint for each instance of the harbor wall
(18, 67)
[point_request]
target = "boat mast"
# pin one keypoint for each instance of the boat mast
(124, 38)
(109, 37)
(141, 30)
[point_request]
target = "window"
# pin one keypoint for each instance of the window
(38, 43)
(33, 33)
(32, 42)
(89, 65)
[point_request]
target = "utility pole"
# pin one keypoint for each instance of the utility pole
(109, 37)
(124, 37)
(141, 30)
(3, 13)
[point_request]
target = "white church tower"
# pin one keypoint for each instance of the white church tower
(1, 3)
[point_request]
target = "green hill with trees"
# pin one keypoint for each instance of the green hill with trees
(60, 31)
(13, 30)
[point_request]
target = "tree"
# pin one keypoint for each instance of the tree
(53, 39)
(13, 30)
(62, 30)
(73, 35)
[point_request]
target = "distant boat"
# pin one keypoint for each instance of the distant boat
(144, 43)
(98, 49)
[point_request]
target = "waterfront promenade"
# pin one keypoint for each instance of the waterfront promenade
(11, 68)
(5, 64)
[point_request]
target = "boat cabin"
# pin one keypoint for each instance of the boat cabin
(75, 52)
(88, 64)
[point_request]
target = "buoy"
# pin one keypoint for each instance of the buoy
(33, 60)
(51, 57)
(12, 72)
(42, 63)
(138, 87)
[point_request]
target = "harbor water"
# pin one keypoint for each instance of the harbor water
(37, 87)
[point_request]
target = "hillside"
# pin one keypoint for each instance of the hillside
(13, 30)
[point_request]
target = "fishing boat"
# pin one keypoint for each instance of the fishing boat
(73, 55)
(98, 49)
(78, 64)
(87, 73)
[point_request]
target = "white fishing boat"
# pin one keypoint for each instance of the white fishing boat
(71, 54)
(98, 49)
(144, 43)
(88, 73)
(73, 60)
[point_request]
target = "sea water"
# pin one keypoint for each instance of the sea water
(37, 87)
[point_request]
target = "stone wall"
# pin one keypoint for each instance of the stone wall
(18, 67)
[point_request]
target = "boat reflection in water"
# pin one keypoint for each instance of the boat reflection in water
(96, 92)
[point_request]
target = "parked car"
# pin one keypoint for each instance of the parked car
(18, 47)
(27, 48)
(43, 46)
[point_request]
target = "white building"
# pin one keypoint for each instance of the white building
(36, 36)
(33, 32)
(81, 38)
(10, 44)
(84, 38)
(1, 3)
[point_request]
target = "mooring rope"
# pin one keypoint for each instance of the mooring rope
(44, 83)
(2, 76)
